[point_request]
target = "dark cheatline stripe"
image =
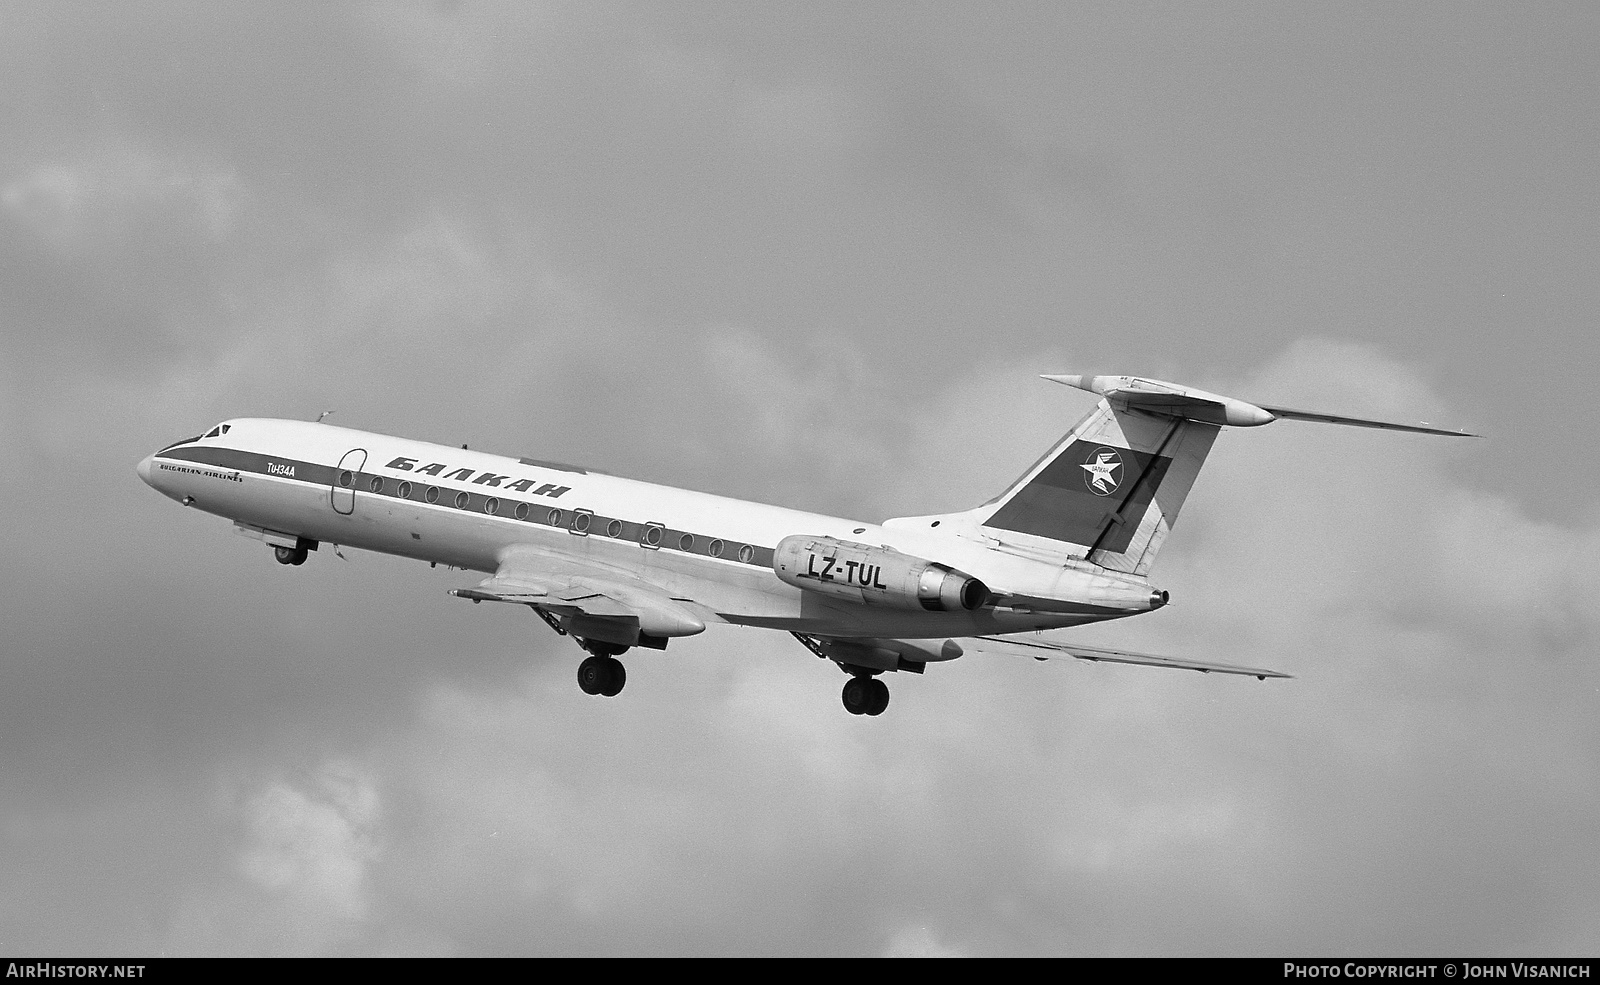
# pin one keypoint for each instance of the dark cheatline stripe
(249, 461)
(545, 512)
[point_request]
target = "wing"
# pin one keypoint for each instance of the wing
(1044, 649)
(563, 585)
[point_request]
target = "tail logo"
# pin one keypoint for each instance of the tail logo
(1100, 472)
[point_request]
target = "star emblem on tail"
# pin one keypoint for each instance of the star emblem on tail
(1102, 478)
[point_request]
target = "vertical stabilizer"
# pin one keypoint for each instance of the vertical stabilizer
(1109, 491)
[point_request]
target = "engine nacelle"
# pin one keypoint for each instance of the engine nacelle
(874, 575)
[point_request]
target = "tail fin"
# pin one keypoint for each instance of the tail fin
(1111, 489)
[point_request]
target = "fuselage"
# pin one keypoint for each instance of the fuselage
(462, 508)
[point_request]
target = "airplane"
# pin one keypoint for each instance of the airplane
(615, 563)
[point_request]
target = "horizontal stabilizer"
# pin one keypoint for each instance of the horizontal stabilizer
(1191, 404)
(1042, 649)
(1289, 414)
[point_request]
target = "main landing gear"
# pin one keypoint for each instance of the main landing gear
(865, 695)
(290, 555)
(601, 672)
(602, 675)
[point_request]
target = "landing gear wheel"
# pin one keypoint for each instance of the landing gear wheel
(617, 675)
(880, 696)
(290, 555)
(592, 674)
(858, 696)
(602, 675)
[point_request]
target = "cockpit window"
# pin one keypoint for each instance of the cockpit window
(225, 428)
(214, 432)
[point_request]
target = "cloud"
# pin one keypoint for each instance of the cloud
(918, 942)
(116, 196)
(301, 882)
(314, 846)
(1383, 532)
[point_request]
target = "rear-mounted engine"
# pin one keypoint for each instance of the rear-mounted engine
(874, 575)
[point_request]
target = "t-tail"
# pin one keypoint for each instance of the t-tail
(1110, 491)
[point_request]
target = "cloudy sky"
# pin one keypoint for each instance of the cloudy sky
(813, 255)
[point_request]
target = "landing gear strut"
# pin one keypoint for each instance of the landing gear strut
(290, 555)
(601, 672)
(602, 675)
(865, 696)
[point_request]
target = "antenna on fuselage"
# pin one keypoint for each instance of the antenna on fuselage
(322, 415)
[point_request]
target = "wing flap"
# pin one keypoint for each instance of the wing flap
(1043, 649)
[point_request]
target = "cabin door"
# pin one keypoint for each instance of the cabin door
(343, 491)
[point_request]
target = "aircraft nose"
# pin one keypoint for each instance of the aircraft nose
(143, 468)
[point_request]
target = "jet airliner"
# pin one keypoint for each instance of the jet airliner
(615, 564)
